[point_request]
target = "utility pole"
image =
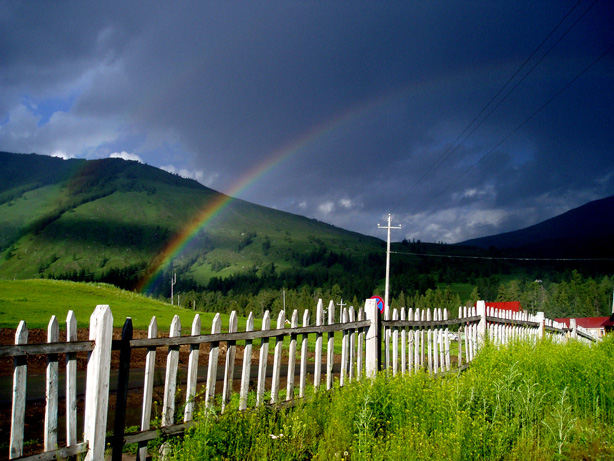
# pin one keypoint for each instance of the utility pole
(387, 288)
(341, 304)
(173, 282)
(284, 298)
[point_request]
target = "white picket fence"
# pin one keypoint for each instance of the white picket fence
(411, 341)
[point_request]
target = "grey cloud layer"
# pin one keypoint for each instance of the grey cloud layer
(217, 89)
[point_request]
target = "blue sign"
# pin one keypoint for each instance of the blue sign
(379, 302)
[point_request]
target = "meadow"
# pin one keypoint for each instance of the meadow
(520, 402)
(35, 301)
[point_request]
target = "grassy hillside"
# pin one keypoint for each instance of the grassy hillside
(107, 220)
(35, 301)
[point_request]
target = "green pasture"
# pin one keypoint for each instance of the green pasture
(35, 301)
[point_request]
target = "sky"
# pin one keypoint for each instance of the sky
(460, 119)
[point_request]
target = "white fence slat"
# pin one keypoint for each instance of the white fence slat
(150, 368)
(352, 346)
(417, 342)
(409, 339)
(395, 344)
(330, 352)
(18, 413)
(317, 372)
(279, 341)
(403, 343)
(71, 382)
(447, 340)
(304, 351)
(423, 338)
(247, 363)
(460, 338)
(170, 381)
(98, 376)
(468, 341)
(435, 343)
(387, 337)
(264, 354)
(442, 352)
(51, 390)
(190, 393)
(291, 358)
(360, 346)
(430, 342)
(214, 352)
(371, 339)
(229, 368)
(344, 349)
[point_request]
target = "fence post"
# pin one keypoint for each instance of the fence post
(372, 339)
(190, 391)
(574, 328)
(71, 382)
(330, 350)
(170, 379)
(481, 312)
(97, 382)
(150, 365)
(52, 381)
(18, 416)
(540, 317)
(247, 363)
(123, 377)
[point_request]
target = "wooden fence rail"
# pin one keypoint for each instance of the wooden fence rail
(412, 340)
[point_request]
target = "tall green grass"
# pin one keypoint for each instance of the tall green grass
(522, 402)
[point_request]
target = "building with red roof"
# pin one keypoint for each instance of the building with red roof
(596, 326)
(513, 306)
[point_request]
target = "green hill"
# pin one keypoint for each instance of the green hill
(109, 220)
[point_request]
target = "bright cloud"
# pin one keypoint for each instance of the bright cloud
(346, 203)
(326, 207)
(198, 175)
(62, 155)
(126, 156)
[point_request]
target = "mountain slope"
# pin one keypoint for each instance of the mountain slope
(586, 231)
(110, 219)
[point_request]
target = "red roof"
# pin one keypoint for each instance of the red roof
(513, 306)
(588, 322)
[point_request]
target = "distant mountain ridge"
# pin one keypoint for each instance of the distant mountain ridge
(110, 219)
(586, 231)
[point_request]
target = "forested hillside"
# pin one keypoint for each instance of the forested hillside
(110, 220)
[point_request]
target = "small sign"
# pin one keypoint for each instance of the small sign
(379, 302)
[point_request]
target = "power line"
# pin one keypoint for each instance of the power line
(456, 144)
(433, 255)
(542, 107)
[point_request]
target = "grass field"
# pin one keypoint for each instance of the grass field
(521, 402)
(35, 301)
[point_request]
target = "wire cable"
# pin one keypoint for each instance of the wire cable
(529, 118)
(456, 144)
(433, 255)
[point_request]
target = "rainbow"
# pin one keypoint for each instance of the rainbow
(271, 161)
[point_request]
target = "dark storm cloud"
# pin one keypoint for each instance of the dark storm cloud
(361, 98)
